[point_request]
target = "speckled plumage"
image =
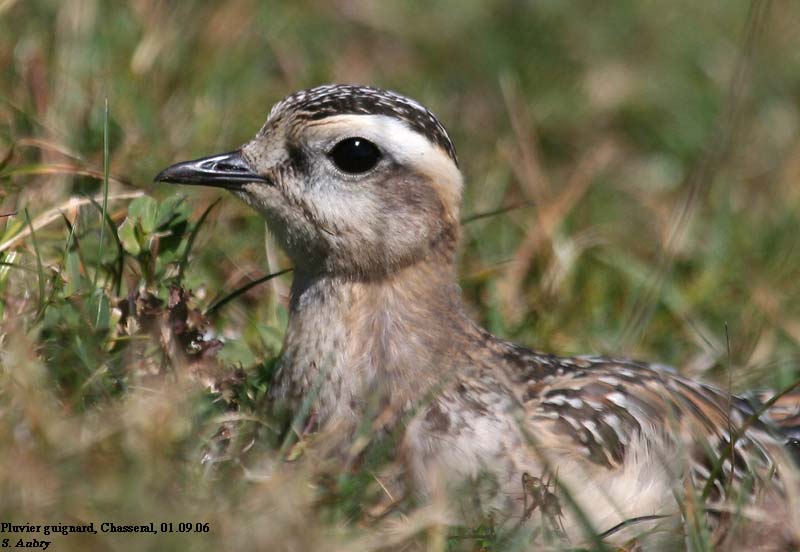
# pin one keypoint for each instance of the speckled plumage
(337, 99)
(377, 325)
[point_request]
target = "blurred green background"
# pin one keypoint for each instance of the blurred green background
(644, 157)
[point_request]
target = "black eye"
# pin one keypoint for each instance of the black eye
(355, 155)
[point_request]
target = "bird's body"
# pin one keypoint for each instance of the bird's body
(361, 187)
(618, 434)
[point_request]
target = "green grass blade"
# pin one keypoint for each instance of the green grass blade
(120, 248)
(105, 207)
(244, 289)
(754, 417)
(39, 266)
(499, 211)
(185, 259)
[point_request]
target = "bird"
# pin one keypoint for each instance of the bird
(361, 187)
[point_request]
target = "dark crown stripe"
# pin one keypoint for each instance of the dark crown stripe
(342, 99)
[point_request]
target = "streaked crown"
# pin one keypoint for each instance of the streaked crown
(347, 99)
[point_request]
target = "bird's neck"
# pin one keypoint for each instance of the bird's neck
(352, 346)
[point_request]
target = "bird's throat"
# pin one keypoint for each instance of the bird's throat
(356, 348)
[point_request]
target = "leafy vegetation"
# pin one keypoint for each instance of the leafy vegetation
(638, 164)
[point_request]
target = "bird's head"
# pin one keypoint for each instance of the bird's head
(352, 180)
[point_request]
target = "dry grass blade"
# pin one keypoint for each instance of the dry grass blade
(592, 535)
(49, 146)
(7, 157)
(765, 299)
(59, 168)
(528, 165)
(698, 180)
(54, 214)
(550, 212)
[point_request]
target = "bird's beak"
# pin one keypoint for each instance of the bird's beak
(228, 170)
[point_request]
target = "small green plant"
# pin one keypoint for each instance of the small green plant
(157, 236)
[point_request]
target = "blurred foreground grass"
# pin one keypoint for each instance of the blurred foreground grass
(598, 119)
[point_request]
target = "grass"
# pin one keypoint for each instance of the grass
(632, 188)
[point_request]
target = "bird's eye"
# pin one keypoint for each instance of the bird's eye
(355, 155)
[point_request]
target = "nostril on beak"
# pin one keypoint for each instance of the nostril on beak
(228, 167)
(228, 170)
